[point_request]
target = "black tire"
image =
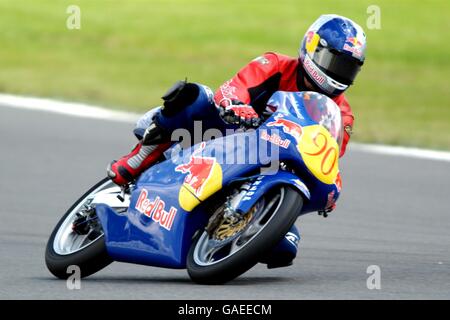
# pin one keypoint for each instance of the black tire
(249, 255)
(90, 259)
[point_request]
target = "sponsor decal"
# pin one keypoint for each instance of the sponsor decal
(353, 45)
(292, 238)
(289, 127)
(204, 177)
(262, 60)
(155, 210)
(275, 139)
(253, 188)
(199, 170)
(354, 42)
(313, 71)
(330, 200)
(228, 93)
(302, 187)
(312, 40)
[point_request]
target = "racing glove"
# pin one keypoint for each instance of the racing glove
(241, 114)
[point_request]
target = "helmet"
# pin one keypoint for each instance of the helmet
(332, 53)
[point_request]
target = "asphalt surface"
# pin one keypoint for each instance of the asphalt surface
(394, 213)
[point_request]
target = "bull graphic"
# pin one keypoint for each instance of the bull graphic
(289, 127)
(199, 170)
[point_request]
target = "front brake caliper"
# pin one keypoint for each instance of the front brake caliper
(81, 224)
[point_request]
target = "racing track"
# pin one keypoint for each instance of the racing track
(394, 213)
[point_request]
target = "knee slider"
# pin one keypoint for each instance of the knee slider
(178, 97)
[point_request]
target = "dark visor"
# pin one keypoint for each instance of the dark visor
(340, 66)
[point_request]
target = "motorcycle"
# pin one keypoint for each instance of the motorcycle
(198, 210)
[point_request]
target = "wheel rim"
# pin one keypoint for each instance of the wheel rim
(209, 251)
(66, 240)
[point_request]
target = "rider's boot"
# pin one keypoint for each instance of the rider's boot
(146, 152)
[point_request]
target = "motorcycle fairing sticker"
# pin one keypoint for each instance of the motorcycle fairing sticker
(155, 210)
(204, 178)
(320, 152)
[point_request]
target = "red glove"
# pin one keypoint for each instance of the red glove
(242, 114)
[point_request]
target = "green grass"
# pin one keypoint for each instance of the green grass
(128, 53)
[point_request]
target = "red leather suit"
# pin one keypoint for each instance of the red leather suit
(258, 80)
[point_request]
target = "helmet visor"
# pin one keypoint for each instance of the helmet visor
(340, 66)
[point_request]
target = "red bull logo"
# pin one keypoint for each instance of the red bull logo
(289, 127)
(314, 71)
(204, 177)
(312, 40)
(199, 170)
(353, 45)
(354, 41)
(275, 139)
(155, 210)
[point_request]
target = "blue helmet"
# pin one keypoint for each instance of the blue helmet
(332, 53)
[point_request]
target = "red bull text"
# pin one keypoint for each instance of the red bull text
(155, 210)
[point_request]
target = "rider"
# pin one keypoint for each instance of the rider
(331, 54)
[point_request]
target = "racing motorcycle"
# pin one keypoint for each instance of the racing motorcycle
(198, 210)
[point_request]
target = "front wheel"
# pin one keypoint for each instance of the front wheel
(233, 247)
(83, 246)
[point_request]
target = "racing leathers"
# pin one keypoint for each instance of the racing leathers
(255, 83)
(245, 96)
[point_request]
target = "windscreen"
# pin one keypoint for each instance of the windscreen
(324, 111)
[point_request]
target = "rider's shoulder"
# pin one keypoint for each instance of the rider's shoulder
(267, 59)
(280, 56)
(283, 61)
(275, 61)
(340, 98)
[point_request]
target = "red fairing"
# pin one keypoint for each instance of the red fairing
(258, 80)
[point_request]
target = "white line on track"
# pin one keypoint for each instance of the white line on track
(67, 108)
(401, 151)
(89, 111)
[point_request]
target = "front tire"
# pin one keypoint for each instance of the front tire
(90, 257)
(228, 267)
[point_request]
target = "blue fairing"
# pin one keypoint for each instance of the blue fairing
(136, 238)
(157, 231)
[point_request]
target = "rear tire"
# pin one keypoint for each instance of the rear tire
(249, 255)
(89, 259)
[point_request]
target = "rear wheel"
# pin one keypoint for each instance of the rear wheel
(233, 246)
(78, 238)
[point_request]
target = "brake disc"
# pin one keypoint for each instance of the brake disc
(231, 225)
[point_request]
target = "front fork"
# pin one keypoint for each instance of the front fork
(251, 190)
